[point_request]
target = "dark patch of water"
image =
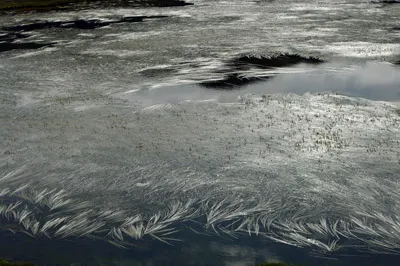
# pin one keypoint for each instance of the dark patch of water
(232, 81)
(387, 2)
(77, 24)
(65, 5)
(266, 62)
(8, 41)
(239, 69)
(11, 36)
(8, 46)
(194, 249)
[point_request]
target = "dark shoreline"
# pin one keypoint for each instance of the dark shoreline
(23, 6)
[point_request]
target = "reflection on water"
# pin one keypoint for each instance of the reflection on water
(374, 81)
(200, 250)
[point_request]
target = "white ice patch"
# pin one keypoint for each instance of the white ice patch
(131, 91)
(27, 100)
(82, 108)
(90, 35)
(116, 53)
(363, 49)
(39, 52)
(139, 35)
(311, 7)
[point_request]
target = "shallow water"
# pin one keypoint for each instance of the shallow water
(107, 136)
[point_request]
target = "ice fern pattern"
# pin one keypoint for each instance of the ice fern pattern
(317, 171)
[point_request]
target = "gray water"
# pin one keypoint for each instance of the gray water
(108, 135)
(191, 44)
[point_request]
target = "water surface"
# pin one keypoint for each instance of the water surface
(110, 143)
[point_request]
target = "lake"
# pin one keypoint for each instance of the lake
(218, 133)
